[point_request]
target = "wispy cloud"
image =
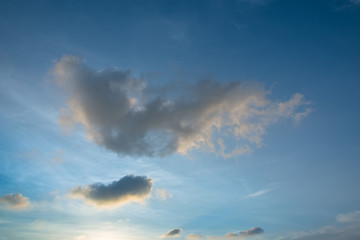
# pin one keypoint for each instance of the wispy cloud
(349, 217)
(259, 193)
(348, 230)
(348, 5)
(128, 189)
(123, 114)
(327, 233)
(193, 236)
(172, 233)
(14, 201)
(162, 194)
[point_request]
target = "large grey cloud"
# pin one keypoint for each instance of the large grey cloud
(172, 233)
(127, 189)
(14, 201)
(125, 115)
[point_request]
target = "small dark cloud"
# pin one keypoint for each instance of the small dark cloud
(127, 189)
(244, 234)
(14, 201)
(252, 231)
(172, 233)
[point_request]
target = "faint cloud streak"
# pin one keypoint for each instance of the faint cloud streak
(193, 236)
(349, 217)
(162, 194)
(258, 193)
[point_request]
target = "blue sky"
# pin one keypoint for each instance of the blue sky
(179, 120)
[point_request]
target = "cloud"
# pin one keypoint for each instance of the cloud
(258, 193)
(349, 229)
(301, 115)
(247, 233)
(194, 236)
(349, 217)
(327, 233)
(172, 233)
(162, 194)
(125, 115)
(128, 189)
(14, 201)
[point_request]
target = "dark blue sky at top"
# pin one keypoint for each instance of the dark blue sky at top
(257, 40)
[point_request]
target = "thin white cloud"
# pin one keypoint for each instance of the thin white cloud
(351, 232)
(300, 116)
(162, 194)
(193, 236)
(348, 5)
(14, 201)
(127, 189)
(123, 114)
(259, 193)
(349, 217)
(349, 229)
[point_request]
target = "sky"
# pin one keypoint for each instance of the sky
(188, 120)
